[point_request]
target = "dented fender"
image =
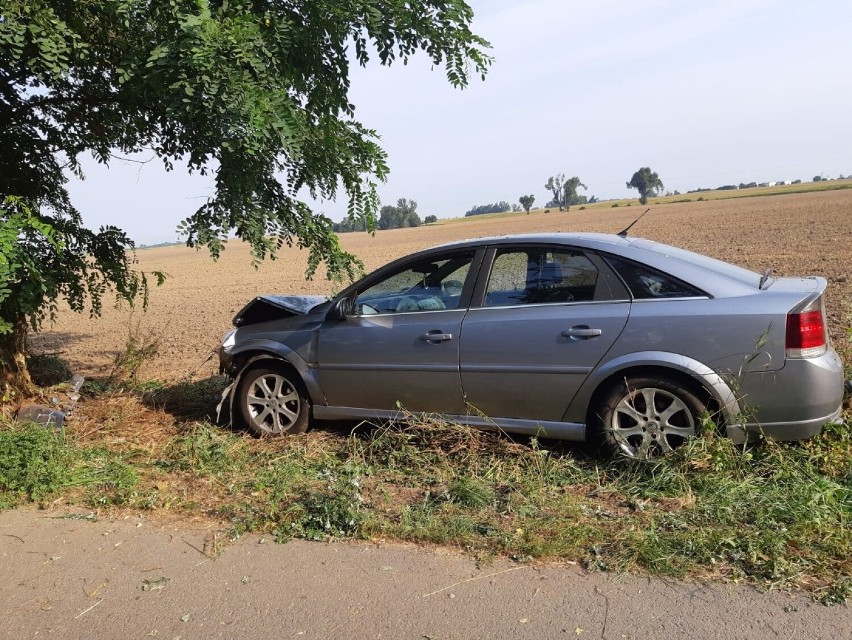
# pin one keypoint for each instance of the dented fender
(263, 349)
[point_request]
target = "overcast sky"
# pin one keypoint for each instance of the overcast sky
(704, 93)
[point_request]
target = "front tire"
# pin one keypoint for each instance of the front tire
(272, 402)
(645, 417)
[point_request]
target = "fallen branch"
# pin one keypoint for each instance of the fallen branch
(490, 575)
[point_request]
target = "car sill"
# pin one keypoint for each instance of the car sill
(544, 428)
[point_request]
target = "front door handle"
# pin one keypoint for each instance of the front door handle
(434, 337)
(581, 331)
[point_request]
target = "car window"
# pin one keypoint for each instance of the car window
(540, 276)
(428, 285)
(647, 283)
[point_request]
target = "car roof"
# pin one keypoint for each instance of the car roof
(695, 268)
(598, 240)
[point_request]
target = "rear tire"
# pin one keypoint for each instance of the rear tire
(272, 401)
(646, 417)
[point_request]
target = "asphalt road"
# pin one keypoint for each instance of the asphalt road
(133, 578)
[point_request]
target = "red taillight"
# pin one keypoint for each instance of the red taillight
(806, 334)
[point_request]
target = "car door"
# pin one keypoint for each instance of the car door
(400, 345)
(542, 319)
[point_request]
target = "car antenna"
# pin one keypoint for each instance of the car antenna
(623, 232)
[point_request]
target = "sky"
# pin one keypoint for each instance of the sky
(705, 93)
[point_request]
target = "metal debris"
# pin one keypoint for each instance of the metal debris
(53, 416)
(41, 414)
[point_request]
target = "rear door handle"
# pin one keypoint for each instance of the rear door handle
(436, 336)
(582, 332)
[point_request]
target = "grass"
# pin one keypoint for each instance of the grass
(776, 515)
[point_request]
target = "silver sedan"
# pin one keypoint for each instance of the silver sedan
(621, 340)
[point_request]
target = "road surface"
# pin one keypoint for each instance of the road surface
(135, 578)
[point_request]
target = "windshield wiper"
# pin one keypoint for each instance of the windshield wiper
(765, 277)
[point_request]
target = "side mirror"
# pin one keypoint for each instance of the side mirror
(341, 309)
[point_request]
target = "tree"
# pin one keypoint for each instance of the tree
(646, 182)
(817, 179)
(430, 219)
(554, 184)
(253, 93)
(527, 202)
(570, 196)
(494, 207)
(404, 214)
(348, 225)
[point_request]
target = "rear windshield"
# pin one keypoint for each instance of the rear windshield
(710, 264)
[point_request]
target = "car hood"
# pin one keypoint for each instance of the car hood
(274, 307)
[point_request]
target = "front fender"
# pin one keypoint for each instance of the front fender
(714, 383)
(264, 348)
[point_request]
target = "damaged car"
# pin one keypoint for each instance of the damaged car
(624, 341)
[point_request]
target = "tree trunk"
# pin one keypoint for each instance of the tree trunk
(14, 376)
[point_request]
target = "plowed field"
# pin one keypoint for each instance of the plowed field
(798, 234)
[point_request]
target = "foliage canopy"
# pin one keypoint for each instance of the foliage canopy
(554, 185)
(527, 202)
(404, 214)
(493, 207)
(646, 182)
(253, 93)
(570, 191)
(564, 191)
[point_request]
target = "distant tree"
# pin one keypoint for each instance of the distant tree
(817, 179)
(555, 184)
(348, 225)
(797, 181)
(527, 202)
(496, 207)
(570, 192)
(646, 182)
(404, 214)
(430, 219)
(593, 200)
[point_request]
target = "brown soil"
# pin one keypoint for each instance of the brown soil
(799, 234)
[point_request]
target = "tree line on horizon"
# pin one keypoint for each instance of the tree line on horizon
(564, 195)
(564, 190)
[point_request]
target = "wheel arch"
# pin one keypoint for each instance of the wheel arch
(256, 350)
(697, 376)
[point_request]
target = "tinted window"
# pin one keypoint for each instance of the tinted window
(427, 285)
(540, 276)
(645, 283)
